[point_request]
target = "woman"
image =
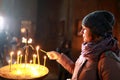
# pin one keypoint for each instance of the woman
(99, 59)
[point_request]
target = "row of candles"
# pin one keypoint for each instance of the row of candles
(35, 57)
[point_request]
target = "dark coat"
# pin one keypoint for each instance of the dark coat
(107, 68)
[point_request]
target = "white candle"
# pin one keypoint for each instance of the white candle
(30, 61)
(18, 56)
(34, 58)
(44, 60)
(9, 62)
(37, 49)
(21, 58)
(11, 54)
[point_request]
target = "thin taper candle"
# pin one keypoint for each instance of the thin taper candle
(9, 62)
(11, 54)
(34, 58)
(18, 56)
(21, 58)
(37, 49)
(44, 60)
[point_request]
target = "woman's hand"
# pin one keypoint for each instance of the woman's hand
(53, 55)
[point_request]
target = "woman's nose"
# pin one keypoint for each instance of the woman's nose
(80, 33)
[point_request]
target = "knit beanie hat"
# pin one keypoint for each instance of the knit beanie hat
(100, 22)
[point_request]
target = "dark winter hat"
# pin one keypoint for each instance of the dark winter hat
(100, 22)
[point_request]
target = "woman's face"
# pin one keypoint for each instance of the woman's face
(86, 33)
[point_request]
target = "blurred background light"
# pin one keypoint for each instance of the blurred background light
(1, 23)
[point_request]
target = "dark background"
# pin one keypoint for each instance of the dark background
(53, 20)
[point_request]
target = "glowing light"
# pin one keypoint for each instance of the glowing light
(1, 23)
(19, 71)
(23, 30)
(37, 49)
(30, 61)
(18, 56)
(24, 40)
(30, 40)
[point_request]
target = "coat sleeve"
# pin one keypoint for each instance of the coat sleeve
(66, 63)
(108, 69)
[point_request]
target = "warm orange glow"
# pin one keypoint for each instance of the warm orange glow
(24, 71)
(11, 53)
(30, 61)
(9, 61)
(37, 48)
(24, 40)
(23, 30)
(30, 40)
(18, 56)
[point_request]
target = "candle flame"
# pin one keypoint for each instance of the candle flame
(9, 61)
(45, 57)
(34, 55)
(21, 55)
(37, 47)
(24, 40)
(15, 62)
(19, 52)
(11, 53)
(23, 30)
(30, 61)
(30, 40)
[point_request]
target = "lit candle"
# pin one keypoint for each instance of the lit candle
(30, 61)
(37, 49)
(9, 62)
(21, 58)
(18, 56)
(11, 54)
(45, 60)
(34, 58)
(15, 62)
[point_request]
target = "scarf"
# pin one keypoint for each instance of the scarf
(92, 50)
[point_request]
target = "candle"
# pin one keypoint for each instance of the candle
(30, 61)
(37, 49)
(9, 62)
(18, 56)
(11, 54)
(34, 58)
(15, 62)
(45, 60)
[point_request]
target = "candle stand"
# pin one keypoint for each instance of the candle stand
(24, 69)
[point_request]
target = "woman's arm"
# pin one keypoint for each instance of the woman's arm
(62, 59)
